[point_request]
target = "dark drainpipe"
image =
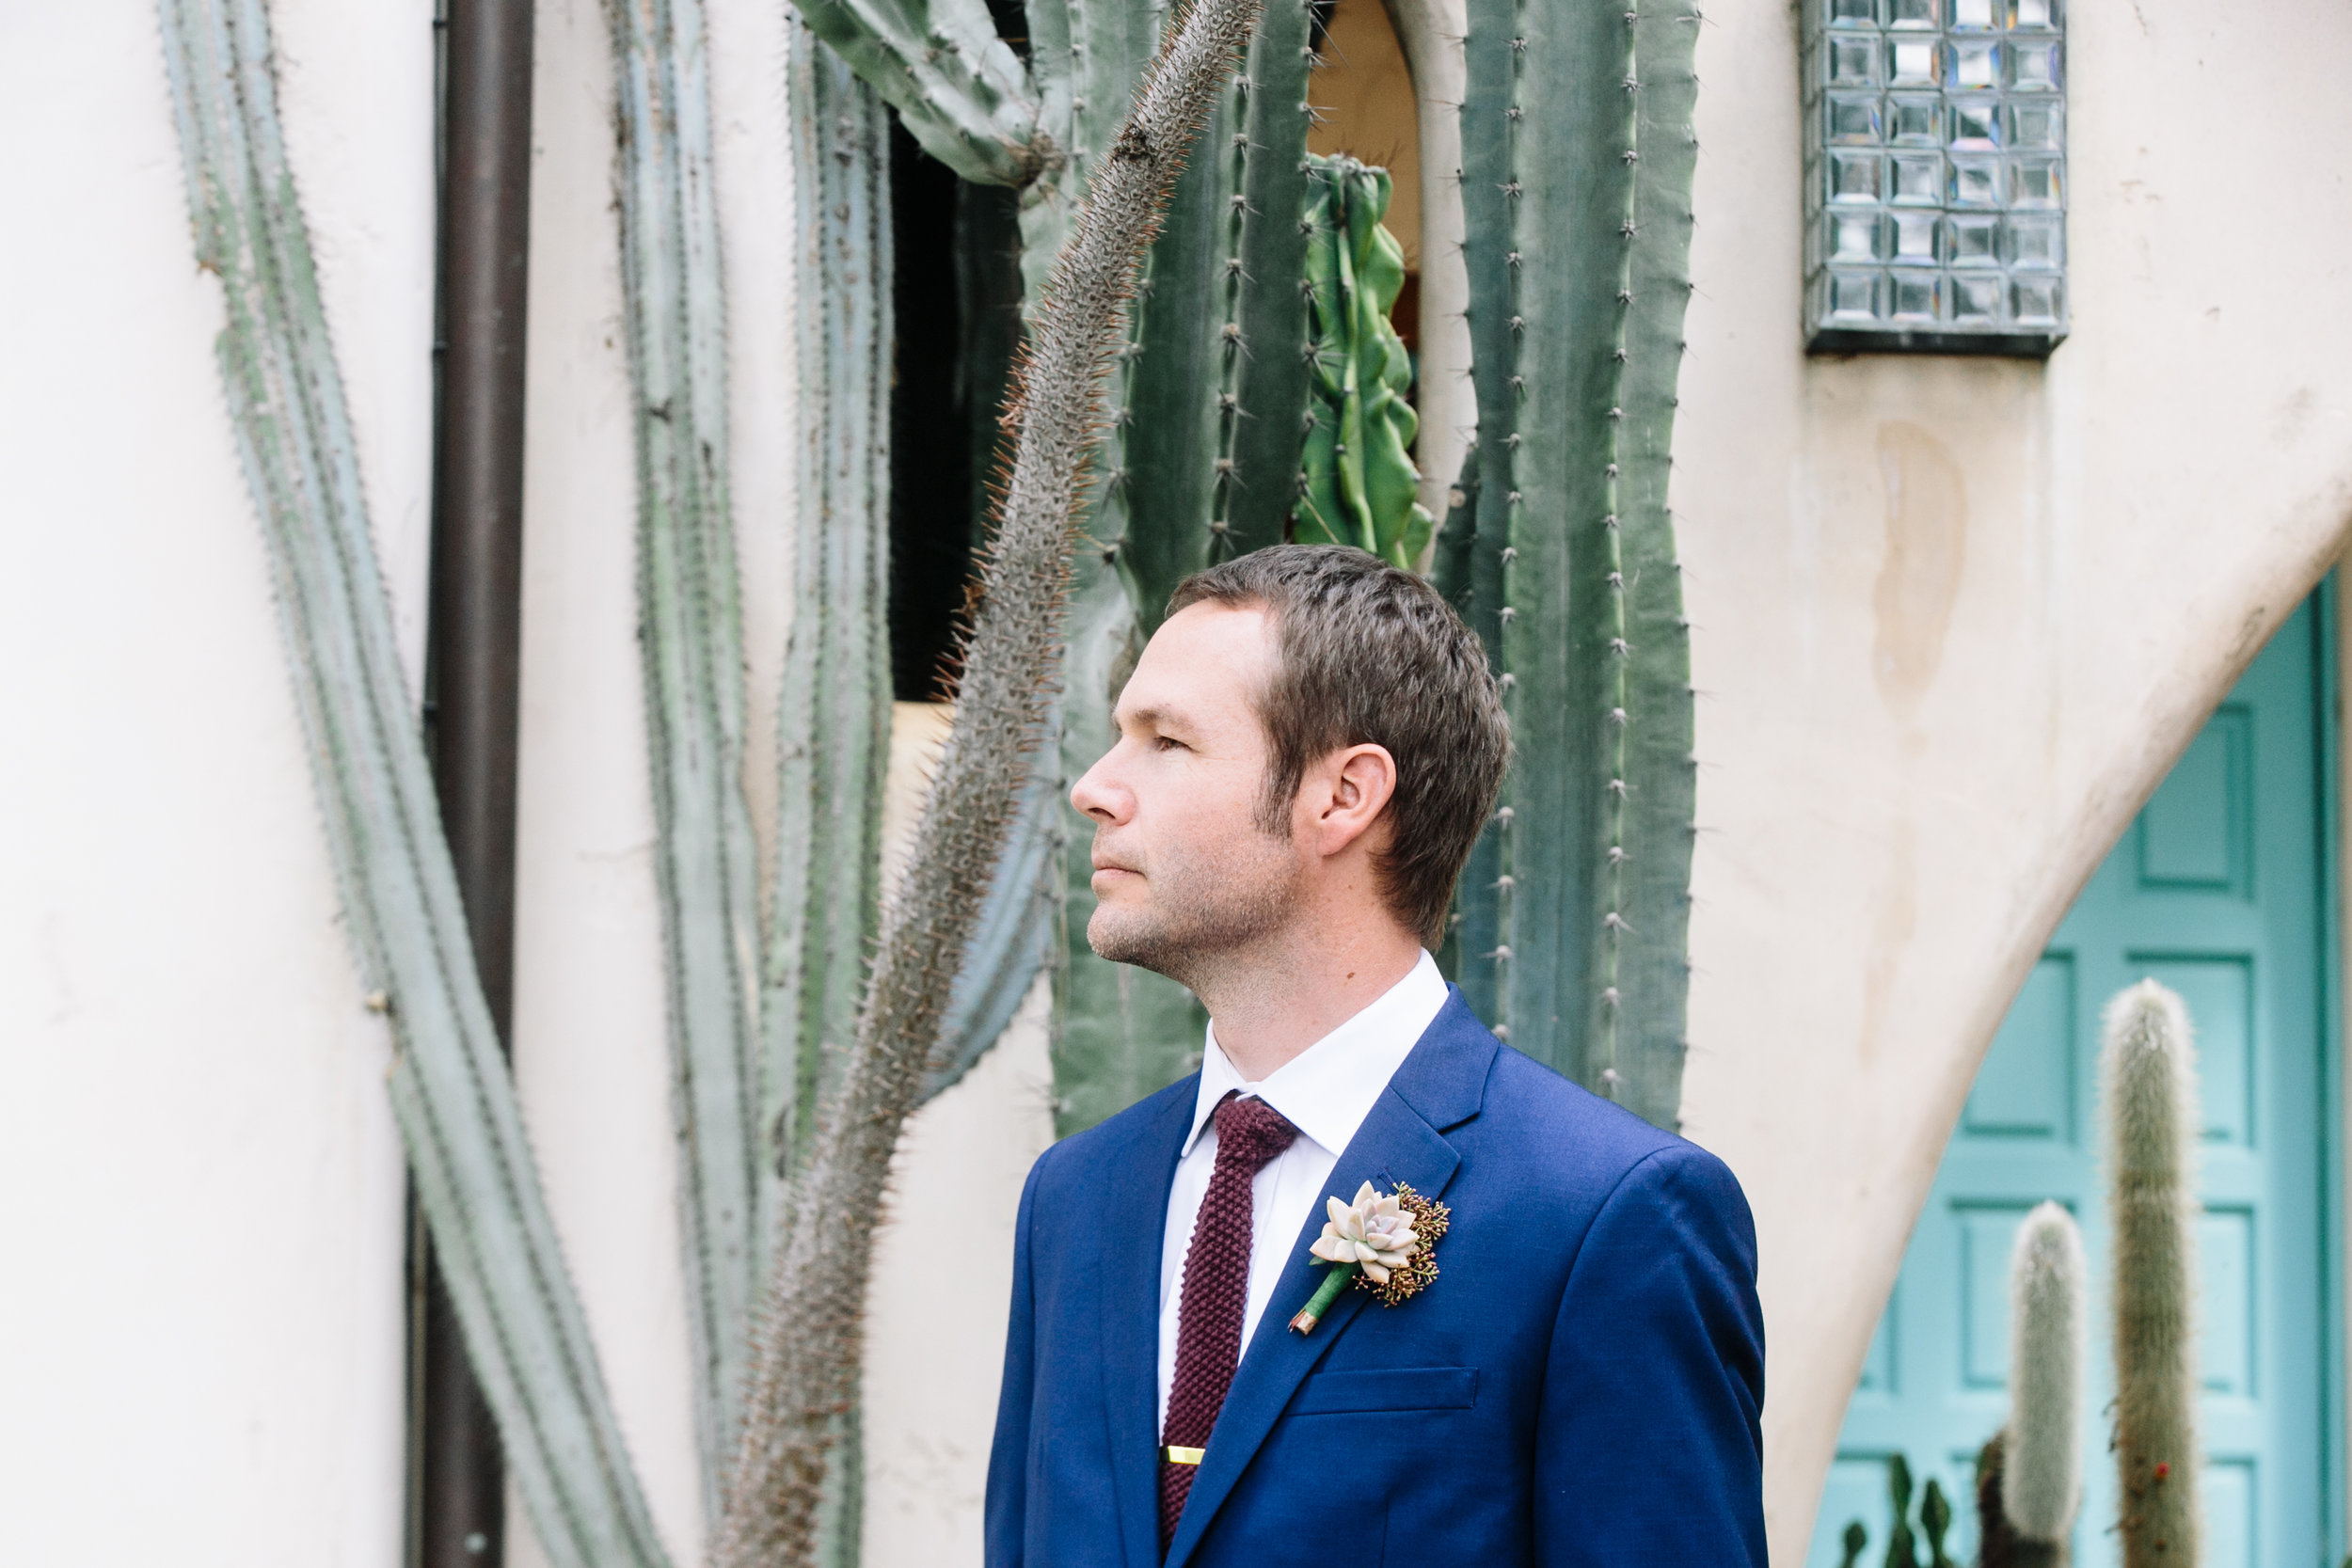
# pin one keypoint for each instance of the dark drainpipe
(474, 661)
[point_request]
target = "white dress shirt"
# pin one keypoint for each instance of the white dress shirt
(1326, 1091)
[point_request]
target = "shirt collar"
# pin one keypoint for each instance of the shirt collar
(1328, 1089)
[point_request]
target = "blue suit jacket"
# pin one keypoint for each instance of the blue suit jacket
(1580, 1385)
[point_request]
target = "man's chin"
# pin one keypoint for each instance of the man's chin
(1124, 938)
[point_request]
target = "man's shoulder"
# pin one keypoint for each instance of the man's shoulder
(1554, 1136)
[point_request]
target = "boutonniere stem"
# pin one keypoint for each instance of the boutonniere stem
(1386, 1245)
(1326, 1293)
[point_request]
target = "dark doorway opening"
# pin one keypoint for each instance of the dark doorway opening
(956, 298)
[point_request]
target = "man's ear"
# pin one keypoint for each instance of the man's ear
(1354, 787)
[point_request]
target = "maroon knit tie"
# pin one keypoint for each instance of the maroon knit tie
(1249, 1133)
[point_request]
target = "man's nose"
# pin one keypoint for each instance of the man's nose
(1098, 794)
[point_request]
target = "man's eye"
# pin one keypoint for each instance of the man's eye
(1166, 743)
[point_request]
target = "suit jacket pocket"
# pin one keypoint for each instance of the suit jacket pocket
(1399, 1389)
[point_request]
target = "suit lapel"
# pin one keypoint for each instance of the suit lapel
(1134, 1218)
(1439, 1086)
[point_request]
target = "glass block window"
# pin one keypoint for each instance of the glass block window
(1935, 176)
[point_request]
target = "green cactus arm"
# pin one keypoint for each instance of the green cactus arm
(451, 1094)
(959, 89)
(1119, 1033)
(1327, 509)
(832, 737)
(1455, 568)
(833, 720)
(691, 644)
(1161, 499)
(1214, 379)
(1571, 193)
(1571, 936)
(808, 1354)
(1013, 936)
(1652, 977)
(1479, 526)
(1086, 56)
(1266, 371)
(1402, 526)
(1358, 484)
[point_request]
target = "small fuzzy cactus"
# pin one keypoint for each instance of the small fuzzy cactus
(2042, 1473)
(2147, 1092)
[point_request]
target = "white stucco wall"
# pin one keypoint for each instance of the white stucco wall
(1954, 619)
(200, 1189)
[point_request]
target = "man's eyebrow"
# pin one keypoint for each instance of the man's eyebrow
(1155, 718)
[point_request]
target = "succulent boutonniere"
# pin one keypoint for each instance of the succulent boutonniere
(1387, 1245)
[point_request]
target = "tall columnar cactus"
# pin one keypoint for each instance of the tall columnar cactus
(2026, 1519)
(811, 1327)
(2148, 1095)
(690, 639)
(1578, 156)
(451, 1092)
(834, 728)
(1358, 479)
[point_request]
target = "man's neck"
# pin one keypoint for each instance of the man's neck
(1273, 1003)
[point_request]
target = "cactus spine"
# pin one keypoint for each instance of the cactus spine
(1577, 156)
(2041, 1447)
(2147, 1094)
(451, 1092)
(811, 1325)
(1358, 480)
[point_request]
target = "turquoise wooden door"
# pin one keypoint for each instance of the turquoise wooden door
(2217, 889)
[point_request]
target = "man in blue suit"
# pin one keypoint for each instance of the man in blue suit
(1307, 749)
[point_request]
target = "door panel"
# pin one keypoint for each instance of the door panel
(2216, 891)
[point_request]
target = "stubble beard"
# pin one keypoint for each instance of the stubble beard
(1202, 910)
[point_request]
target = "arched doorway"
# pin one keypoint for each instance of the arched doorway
(2222, 889)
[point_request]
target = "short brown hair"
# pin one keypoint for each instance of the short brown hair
(1371, 655)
